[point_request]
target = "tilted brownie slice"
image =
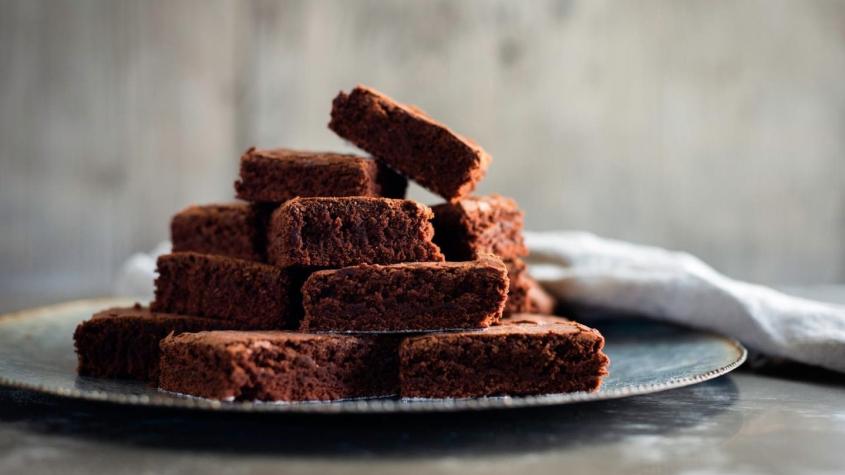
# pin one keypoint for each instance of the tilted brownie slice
(277, 175)
(479, 224)
(509, 359)
(236, 230)
(279, 366)
(123, 342)
(337, 232)
(423, 296)
(409, 141)
(255, 295)
(524, 293)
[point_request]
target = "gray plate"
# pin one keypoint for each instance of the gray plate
(36, 353)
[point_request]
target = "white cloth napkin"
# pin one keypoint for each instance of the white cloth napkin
(677, 287)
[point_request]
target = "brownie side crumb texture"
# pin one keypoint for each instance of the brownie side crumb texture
(479, 224)
(337, 232)
(406, 297)
(279, 366)
(257, 296)
(410, 141)
(520, 359)
(124, 342)
(277, 175)
(236, 230)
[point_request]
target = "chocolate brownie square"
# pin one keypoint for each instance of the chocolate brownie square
(277, 175)
(255, 295)
(509, 359)
(235, 230)
(479, 225)
(410, 141)
(337, 232)
(123, 342)
(524, 293)
(421, 296)
(279, 366)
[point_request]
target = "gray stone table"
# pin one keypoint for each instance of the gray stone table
(776, 418)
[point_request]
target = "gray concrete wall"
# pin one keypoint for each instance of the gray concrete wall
(717, 127)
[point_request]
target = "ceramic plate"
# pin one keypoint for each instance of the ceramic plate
(36, 353)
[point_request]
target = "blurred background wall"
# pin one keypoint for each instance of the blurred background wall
(716, 127)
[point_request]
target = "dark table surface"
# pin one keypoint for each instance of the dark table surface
(775, 418)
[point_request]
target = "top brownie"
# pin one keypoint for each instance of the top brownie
(409, 141)
(275, 176)
(479, 225)
(338, 232)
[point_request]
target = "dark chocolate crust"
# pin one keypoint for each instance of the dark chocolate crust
(425, 296)
(235, 230)
(123, 342)
(524, 293)
(410, 141)
(257, 296)
(512, 359)
(479, 225)
(279, 366)
(337, 232)
(277, 175)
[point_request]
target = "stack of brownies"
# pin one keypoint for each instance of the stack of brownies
(325, 283)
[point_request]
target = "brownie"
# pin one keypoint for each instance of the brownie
(410, 141)
(279, 366)
(277, 175)
(257, 296)
(123, 342)
(236, 230)
(422, 296)
(337, 232)
(524, 293)
(479, 224)
(509, 359)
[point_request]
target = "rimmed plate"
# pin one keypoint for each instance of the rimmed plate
(36, 353)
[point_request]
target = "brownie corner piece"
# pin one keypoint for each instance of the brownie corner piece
(279, 366)
(410, 141)
(508, 359)
(408, 297)
(255, 295)
(234, 230)
(277, 175)
(344, 231)
(479, 224)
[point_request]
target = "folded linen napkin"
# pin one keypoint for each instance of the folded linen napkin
(677, 287)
